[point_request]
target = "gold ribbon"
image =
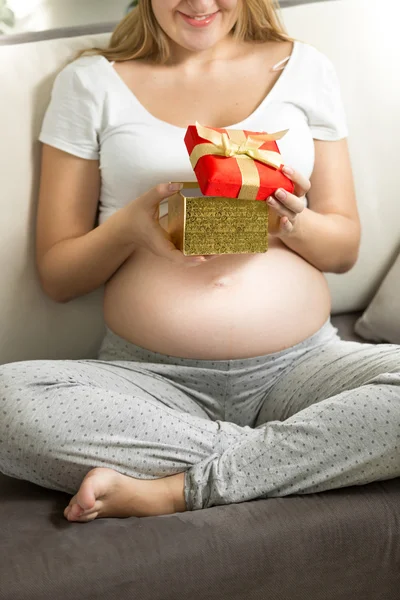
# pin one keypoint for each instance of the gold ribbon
(246, 150)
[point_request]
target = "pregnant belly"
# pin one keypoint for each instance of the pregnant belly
(235, 306)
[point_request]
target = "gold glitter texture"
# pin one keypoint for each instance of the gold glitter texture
(210, 225)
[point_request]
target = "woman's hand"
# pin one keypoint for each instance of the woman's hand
(288, 206)
(139, 225)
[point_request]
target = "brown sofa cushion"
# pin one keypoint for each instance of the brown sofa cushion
(338, 545)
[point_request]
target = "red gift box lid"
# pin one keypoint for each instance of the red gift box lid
(214, 153)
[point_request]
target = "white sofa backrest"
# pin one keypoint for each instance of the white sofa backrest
(360, 36)
(31, 325)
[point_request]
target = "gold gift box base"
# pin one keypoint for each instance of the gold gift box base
(210, 225)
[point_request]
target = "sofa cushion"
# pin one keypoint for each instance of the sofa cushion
(345, 324)
(381, 320)
(337, 545)
(31, 325)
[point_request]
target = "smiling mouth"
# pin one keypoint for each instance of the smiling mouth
(200, 18)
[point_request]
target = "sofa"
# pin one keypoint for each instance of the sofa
(339, 545)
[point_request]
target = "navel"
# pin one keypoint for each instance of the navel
(223, 282)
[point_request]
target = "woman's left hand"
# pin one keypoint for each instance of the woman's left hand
(289, 206)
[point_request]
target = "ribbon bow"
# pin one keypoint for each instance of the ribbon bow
(246, 150)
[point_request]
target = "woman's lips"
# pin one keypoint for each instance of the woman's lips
(199, 22)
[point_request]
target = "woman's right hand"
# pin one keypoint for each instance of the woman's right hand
(139, 225)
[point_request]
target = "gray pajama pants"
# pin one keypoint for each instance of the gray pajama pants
(323, 414)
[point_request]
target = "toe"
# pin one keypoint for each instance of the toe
(70, 505)
(86, 496)
(87, 517)
(75, 511)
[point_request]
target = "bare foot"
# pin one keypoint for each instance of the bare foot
(107, 493)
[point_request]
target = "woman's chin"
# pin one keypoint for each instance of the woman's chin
(199, 41)
(199, 45)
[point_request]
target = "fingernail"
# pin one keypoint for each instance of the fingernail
(194, 262)
(286, 223)
(271, 201)
(281, 194)
(175, 187)
(288, 170)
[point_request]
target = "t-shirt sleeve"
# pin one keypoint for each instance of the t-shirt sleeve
(71, 121)
(327, 118)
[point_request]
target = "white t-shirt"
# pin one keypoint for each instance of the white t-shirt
(94, 115)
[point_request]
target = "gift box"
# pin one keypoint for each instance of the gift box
(236, 164)
(236, 172)
(213, 225)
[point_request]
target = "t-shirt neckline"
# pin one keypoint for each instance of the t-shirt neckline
(241, 125)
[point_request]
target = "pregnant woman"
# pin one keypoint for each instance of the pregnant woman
(220, 379)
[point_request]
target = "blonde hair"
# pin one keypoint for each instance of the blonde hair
(139, 35)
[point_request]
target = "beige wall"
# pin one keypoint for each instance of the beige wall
(38, 15)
